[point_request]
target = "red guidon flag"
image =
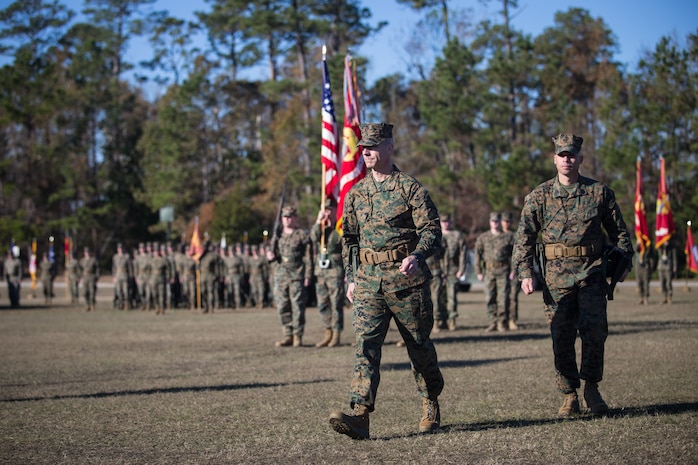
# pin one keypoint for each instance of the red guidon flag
(642, 232)
(330, 148)
(665, 219)
(691, 251)
(353, 167)
(196, 248)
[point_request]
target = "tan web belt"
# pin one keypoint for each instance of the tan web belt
(369, 257)
(561, 251)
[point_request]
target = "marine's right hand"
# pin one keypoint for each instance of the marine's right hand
(350, 292)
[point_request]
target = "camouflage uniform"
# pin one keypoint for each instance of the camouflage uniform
(210, 273)
(160, 277)
(438, 286)
(187, 271)
(74, 275)
(293, 265)
(234, 270)
(493, 261)
(13, 276)
(329, 277)
(453, 266)
(666, 267)
(122, 272)
(645, 264)
(571, 224)
(90, 275)
(259, 273)
(143, 270)
(382, 218)
(47, 273)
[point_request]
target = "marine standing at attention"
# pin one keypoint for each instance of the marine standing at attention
(390, 226)
(570, 213)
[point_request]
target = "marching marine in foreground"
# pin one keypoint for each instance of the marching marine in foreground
(390, 226)
(571, 213)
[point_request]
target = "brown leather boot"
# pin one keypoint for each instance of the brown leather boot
(593, 399)
(570, 405)
(354, 425)
(325, 340)
(431, 416)
(287, 341)
(335, 339)
(297, 340)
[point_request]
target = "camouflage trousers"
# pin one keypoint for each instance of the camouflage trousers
(514, 291)
(578, 309)
(497, 296)
(642, 274)
(665, 277)
(233, 291)
(438, 298)
(451, 296)
(330, 301)
(290, 298)
(412, 311)
(89, 288)
(74, 285)
(209, 292)
(159, 294)
(121, 291)
(47, 285)
(257, 290)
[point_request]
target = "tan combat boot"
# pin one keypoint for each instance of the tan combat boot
(287, 341)
(335, 339)
(325, 340)
(431, 416)
(354, 425)
(501, 327)
(437, 326)
(512, 325)
(451, 324)
(593, 399)
(297, 341)
(570, 405)
(491, 327)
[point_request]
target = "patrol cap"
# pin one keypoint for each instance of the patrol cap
(288, 211)
(567, 143)
(374, 133)
(495, 216)
(446, 217)
(507, 216)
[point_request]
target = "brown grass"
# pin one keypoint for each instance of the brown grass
(114, 387)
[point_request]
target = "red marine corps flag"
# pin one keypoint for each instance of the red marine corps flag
(665, 219)
(353, 167)
(642, 232)
(330, 150)
(691, 251)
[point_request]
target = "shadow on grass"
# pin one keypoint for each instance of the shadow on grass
(170, 390)
(634, 327)
(620, 413)
(452, 363)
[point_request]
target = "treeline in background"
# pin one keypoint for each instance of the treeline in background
(85, 152)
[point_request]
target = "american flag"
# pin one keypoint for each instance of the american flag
(330, 151)
(353, 167)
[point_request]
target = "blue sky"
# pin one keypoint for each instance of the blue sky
(637, 24)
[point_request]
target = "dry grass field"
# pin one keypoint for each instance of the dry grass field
(115, 387)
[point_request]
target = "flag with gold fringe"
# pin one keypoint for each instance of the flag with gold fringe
(665, 219)
(353, 167)
(642, 233)
(691, 251)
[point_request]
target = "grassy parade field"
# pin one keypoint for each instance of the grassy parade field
(130, 387)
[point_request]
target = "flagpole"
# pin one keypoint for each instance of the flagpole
(688, 259)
